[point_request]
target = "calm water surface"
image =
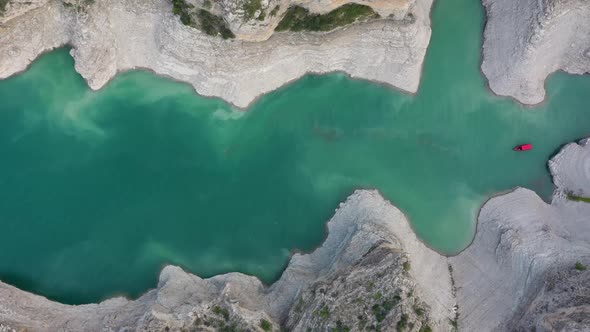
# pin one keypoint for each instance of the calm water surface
(98, 190)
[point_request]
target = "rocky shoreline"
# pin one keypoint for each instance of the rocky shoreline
(110, 36)
(526, 41)
(523, 271)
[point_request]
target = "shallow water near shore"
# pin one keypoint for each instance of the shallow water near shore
(98, 190)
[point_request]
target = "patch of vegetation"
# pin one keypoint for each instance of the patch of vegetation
(580, 267)
(362, 323)
(325, 313)
(407, 266)
(299, 306)
(219, 311)
(265, 325)
(208, 23)
(213, 25)
(228, 328)
(79, 6)
(577, 198)
(275, 11)
(419, 311)
(251, 7)
(380, 311)
(182, 9)
(425, 328)
(340, 327)
(3, 4)
(389, 304)
(378, 296)
(402, 324)
(300, 19)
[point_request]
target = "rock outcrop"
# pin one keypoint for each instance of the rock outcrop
(109, 36)
(525, 270)
(519, 273)
(526, 40)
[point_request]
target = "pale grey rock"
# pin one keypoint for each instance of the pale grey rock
(110, 36)
(563, 304)
(15, 8)
(526, 40)
(522, 245)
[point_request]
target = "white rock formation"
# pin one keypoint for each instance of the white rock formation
(526, 40)
(15, 8)
(521, 242)
(112, 35)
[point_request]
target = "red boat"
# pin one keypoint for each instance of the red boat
(523, 147)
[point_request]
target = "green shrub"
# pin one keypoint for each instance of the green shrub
(265, 325)
(340, 327)
(213, 25)
(576, 198)
(402, 324)
(251, 7)
(300, 19)
(378, 312)
(275, 11)
(407, 266)
(219, 311)
(181, 8)
(580, 267)
(425, 328)
(3, 4)
(419, 311)
(325, 313)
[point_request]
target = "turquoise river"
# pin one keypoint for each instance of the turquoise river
(99, 190)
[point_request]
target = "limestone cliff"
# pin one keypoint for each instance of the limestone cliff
(108, 36)
(526, 40)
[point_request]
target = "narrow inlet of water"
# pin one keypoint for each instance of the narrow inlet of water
(98, 190)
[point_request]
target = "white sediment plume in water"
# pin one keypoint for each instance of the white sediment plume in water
(228, 114)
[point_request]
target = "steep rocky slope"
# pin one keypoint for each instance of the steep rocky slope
(526, 40)
(109, 36)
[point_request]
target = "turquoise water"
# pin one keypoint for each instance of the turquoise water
(98, 190)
